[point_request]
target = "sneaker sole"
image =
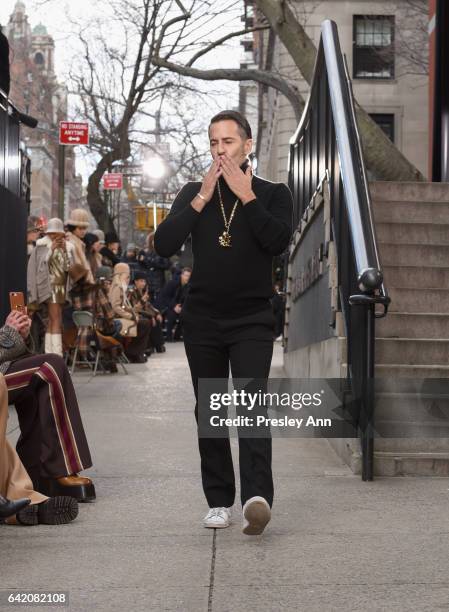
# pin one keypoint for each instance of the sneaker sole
(51, 488)
(57, 511)
(257, 515)
(215, 526)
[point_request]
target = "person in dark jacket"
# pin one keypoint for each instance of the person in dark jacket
(171, 300)
(130, 258)
(154, 266)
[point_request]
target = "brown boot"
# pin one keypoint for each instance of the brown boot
(79, 487)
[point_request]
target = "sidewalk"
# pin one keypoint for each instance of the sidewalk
(334, 543)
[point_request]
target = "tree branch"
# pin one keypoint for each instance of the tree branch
(239, 74)
(223, 39)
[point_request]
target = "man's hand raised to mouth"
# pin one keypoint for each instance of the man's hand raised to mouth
(239, 182)
(208, 187)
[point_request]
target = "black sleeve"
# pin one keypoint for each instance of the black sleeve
(272, 226)
(174, 230)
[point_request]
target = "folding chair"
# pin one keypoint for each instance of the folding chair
(112, 345)
(83, 320)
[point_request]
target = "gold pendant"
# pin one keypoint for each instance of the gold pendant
(225, 239)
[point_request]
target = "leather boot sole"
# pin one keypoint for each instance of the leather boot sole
(52, 488)
(55, 511)
(257, 514)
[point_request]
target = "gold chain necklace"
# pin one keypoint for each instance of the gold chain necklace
(225, 238)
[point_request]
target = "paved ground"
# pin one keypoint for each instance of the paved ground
(334, 543)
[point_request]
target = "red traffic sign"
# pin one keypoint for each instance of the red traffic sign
(73, 133)
(113, 180)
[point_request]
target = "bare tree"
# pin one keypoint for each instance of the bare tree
(120, 89)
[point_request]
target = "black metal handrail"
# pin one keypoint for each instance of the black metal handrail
(326, 146)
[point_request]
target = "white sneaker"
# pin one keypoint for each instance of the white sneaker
(217, 518)
(256, 515)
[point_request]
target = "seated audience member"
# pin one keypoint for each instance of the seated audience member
(170, 302)
(105, 322)
(134, 328)
(140, 300)
(104, 315)
(28, 505)
(52, 444)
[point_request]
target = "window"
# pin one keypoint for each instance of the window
(373, 43)
(39, 59)
(385, 122)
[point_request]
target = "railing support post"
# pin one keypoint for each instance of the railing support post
(367, 416)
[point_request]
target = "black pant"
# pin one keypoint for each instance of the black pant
(245, 344)
(138, 345)
(173, 319)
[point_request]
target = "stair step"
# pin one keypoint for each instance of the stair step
(409, 213)
(397, 462)
(412, 408)
(422, 254)
(413, 325)
(413, 233)
(401, 370)
(412, 351)
(415, 276)
(409, 191)
(418, 300)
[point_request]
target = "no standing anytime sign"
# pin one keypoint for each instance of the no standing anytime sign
(73, 133)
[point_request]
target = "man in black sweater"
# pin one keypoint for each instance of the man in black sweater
(237, 222)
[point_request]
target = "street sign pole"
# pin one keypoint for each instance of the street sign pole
(70, 133)
(61, 181)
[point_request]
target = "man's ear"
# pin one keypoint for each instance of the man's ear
(248, 146)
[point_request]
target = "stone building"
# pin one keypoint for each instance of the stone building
(386, 49)
(36, 91)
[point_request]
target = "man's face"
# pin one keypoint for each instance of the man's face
(113, 246)
(225, 137)
(185, 277)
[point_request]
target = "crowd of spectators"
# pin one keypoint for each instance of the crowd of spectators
(132, 301)
(134, 295)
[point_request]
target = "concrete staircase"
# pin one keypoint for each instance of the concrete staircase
(412, 342)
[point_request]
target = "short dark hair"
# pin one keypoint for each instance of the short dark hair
(241, 121)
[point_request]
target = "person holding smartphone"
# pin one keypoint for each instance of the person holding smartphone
(52, 445)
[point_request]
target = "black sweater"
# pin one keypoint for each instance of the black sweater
(237, 280)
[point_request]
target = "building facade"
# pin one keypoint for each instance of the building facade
(386, 48)
(36, 91)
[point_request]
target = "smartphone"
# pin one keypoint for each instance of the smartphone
(17, 301)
